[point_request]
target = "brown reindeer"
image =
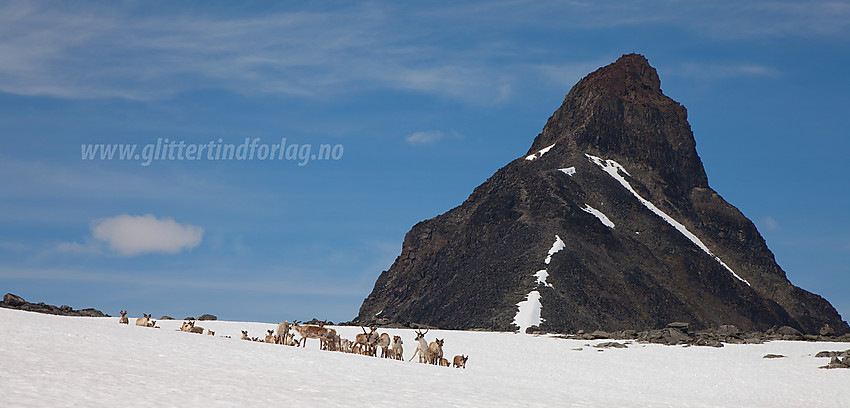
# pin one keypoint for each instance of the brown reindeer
(363, 341)
(435, 350)
(269, 337)
(124, 319)
(308, 331)
(460, 361)
(397, 349)
(191, 328)
(444, 362)
(245, 335)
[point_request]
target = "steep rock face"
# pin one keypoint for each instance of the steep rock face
(614, 176)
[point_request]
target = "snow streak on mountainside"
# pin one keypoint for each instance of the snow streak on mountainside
(613, 168)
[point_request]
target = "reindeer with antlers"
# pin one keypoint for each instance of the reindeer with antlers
(421, 348)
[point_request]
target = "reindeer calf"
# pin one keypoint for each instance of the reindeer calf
(460, 361)
(191, 328)
(245, 335)
(123, 319)
(398, 350)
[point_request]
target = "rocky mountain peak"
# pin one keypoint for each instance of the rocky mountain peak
(607, 222)
(619, 112)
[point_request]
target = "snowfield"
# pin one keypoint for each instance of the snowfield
(53, 361)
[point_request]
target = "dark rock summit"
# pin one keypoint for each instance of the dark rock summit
(12, 301)
(609, 220)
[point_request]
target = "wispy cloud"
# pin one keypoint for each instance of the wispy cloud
(130, 235)
(431, 136)
(425, 137)
(714, 70)
(769, 222)
(125, 50)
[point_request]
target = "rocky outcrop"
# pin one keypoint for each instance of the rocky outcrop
(11, 301)
(606, 223)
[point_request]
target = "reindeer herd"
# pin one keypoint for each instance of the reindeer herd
(366, 343)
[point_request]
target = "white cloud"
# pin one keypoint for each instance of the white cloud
(425, 137)
(130, 235)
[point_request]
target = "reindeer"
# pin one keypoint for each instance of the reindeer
(143, 321)
(435, 350)
(444, 362)
(270, 337)
(345, 345)
(422, 347)
(329, 340)
(191, 328)
(384, 343)
(363, 341)
(398, 350)
(245, 335)
(152, 323)
(460, 361)
(282, 331)
(309, 331)
(124, 319)
(210, 332)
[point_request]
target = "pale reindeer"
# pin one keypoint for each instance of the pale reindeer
(345, 345)
(124, 319)
(191, 328)
(143, 321)
(398, 350)
(435, 350)
(282, 332)
(421, 348)
(460, 361)
(384, 343)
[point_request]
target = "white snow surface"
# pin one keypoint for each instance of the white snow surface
(598, 214)
(612, 168)
(56, 361)
(540, 153)
(541, 278)
(556, 246)
(570, 171)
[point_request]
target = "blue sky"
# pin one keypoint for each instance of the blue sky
(428, 100)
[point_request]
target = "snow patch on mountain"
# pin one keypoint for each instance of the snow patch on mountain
(570, 171)
(557, 246)
(541, 278)
(540, 153)
(529, 311)
(613, 168)
(598, 214)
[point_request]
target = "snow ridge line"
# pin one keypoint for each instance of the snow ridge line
(529, 309)
(613, 168)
